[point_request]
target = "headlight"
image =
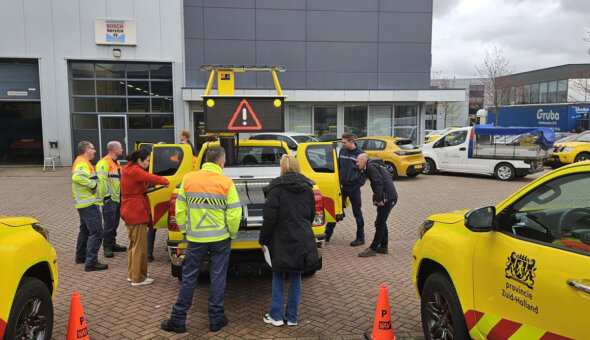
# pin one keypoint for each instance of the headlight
(41, 230)
(425, 227)
(567, 150)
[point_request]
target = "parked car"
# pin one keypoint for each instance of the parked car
(576, 149)
(291, 138)
(400, 155)
(434, 135)
(28, 272)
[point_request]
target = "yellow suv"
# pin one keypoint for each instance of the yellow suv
(518, 270)
(574, 150)
(400, 155)
(28, 272)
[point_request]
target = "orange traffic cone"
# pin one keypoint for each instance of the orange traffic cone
(382, 328)
(77, 326)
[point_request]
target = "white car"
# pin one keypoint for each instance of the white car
(291, 138)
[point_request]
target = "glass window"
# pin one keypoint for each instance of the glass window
(162, 105)
(162, 121)
(561, 96)
(305, 139)
(161, 88)
(82, 70)
(161, 71)
(373, 145)
(84, 105)
(110, 70)
(406, 121)
(82, 122)
(380, 122)
(526, 94)
(452, 139)
(139, 104)
(355, 120)
(110, 88)
(139, 122)
(138, 88)
(300, 118)
(138, 71)
(260, 155)
(324, 122)
(505, 96)
(166, 160)
(512, 96)
(535, 88)
(543, 93)
(83, 87)
(112, 104)
(320, 158)
(552, 92)
(405, 144)
(112, 123)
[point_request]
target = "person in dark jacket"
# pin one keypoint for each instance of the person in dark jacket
(136, 212)
(384, 197)
(286, 231)
(351, 181)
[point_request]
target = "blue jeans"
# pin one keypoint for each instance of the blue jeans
(111, 214)
(151, 239)
(218, 261)
(90, 235)
(276, 302)
(381, 233)
(354, 193)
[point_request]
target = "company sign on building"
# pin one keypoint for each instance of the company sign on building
(114, 32)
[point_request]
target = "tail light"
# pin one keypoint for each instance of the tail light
(172, 214)
(319, 218)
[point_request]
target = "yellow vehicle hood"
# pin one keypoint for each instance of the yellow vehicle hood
(450, 217)
(16, 221)
(573, 144)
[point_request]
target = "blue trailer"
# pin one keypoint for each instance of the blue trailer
(560, 117)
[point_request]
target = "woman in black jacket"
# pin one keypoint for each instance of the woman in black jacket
(288, 213)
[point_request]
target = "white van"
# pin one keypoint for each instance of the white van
(451, 152)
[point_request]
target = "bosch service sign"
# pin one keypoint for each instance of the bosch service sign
(114, 32)
(244, 114)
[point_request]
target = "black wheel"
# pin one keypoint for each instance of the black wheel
(31, 315)
(504, 172)
(429, 167)
(442, 316)
(584, 156)
(391, 169)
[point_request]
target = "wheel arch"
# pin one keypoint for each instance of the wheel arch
(428, 267)
(42, 272)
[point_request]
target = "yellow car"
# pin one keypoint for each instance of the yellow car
(400, 155)
(518, 270)
(575, 150)
(28, 279)
(431, 137)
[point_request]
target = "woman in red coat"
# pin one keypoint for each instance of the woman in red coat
(136, 212)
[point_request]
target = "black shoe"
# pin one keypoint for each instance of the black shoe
(108, 252)
(119, 248)
(357, 243)
(382, 250)
(170, 327)
(97, 266)
(78, 261)
(216, 327)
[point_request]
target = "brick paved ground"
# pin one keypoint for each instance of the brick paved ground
(337, 303)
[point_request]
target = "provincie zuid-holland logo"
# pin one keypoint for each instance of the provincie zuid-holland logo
(521, 269)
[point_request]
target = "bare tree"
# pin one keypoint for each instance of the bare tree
(447, 109)
(580, 81)
(495, 72)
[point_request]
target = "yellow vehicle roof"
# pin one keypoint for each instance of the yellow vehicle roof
(393, 139)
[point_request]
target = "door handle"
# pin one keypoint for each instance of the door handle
(579, 286)
(462, 149)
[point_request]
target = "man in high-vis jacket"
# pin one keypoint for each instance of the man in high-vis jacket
(209, 212)
(108, 170)
(88, 191)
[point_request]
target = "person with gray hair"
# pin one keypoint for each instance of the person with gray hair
(384, 198)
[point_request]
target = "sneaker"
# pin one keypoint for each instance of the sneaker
(367, 252)
(147, 281)
(266, 318)
(216, 327)
(382, 250)
(97, 266)
(357, 243)
(289, 323)
(108, 252)
(168, 326)
(129, 279)
(119, 248)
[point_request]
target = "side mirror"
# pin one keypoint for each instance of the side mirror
(293, 147)
(481, 219)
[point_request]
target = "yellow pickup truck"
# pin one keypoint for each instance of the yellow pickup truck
(257, 164)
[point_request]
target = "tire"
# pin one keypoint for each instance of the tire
(23, 322)
(442, 316)
(504, 172)
(584, 156)
(391, 169)
(429, 167)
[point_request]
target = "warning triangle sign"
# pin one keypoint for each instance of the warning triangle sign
(207, 221)
(244, 118)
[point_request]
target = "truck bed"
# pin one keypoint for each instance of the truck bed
(510, 152)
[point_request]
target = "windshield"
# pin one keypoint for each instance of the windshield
(405, 144)
(435, 132)
(305, 139)
(566, 138)
(583, 137)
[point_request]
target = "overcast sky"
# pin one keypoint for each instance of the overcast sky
(533, 34)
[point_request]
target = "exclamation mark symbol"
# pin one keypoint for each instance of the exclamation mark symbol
(244, 116)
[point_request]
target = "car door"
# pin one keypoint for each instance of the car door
(171, 161)
(451, 150)
(532, 275)
(318, 162)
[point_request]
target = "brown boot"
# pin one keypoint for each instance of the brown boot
(382, 250)
(367, 252)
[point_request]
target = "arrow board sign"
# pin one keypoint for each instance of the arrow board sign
(244, 114)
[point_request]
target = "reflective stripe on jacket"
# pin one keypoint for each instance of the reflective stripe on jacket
(109, 175)
(84, 179)
(208, 208)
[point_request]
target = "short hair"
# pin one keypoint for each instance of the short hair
(138, 154)
(214, 154)
(185, 133)
(348, 136)
(82, 146)
(363, 156)
(289, 164)
(112, 145)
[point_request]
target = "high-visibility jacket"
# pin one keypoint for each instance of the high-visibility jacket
(208, 208)
(84, 180)
(109, 175)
